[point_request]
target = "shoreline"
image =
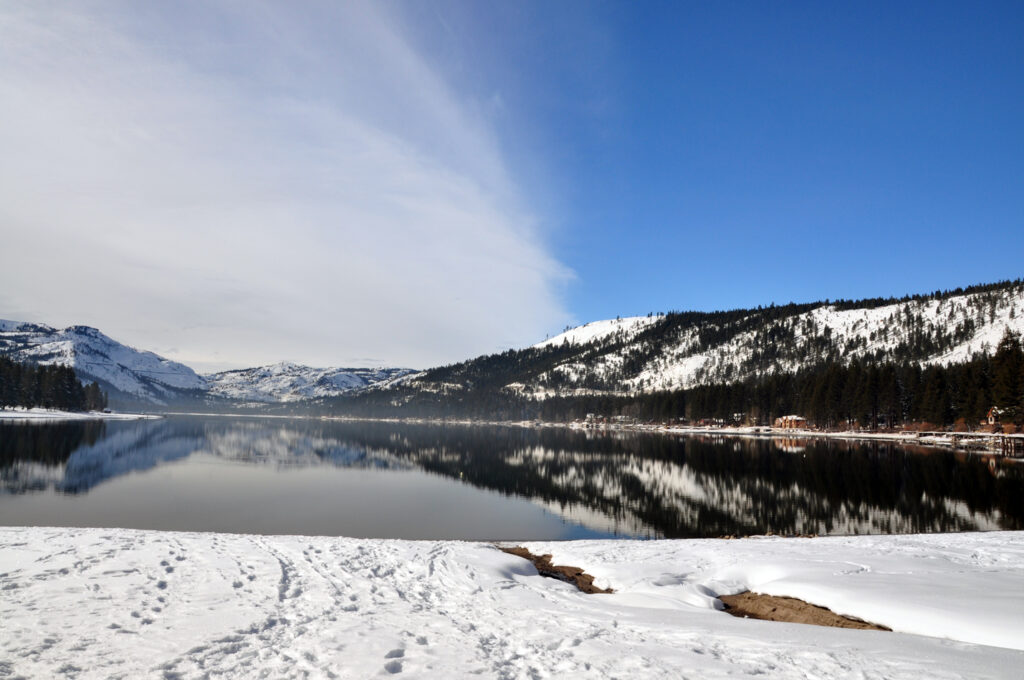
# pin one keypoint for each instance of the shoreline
(968, 442)
(41, 415)
(1009, 446)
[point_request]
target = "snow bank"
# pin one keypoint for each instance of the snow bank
(108, 602)
(44, 414)
(967, 587)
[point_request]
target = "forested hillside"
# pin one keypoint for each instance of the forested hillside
(832, 394)
(935, 358)
(681, 350)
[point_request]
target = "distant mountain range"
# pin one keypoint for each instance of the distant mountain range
(677, 350)
(132, 375)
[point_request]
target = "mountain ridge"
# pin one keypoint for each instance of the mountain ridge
(681, 350)
(287, 382)
(623, 356)
(134, 375)
(124, 370)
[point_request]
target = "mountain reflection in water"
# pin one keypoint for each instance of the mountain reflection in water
(627, 484)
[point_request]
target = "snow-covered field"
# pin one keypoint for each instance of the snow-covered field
(118, 603)
(45, 414)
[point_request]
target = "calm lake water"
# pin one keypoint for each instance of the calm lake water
(489, 483)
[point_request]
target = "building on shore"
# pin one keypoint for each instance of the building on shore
(791, 422)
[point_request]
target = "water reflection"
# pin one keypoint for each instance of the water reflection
(616, 483)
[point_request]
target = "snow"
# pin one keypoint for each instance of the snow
(117, 603)
(684, 363)
(45, 414)
(94, 356)
(860, 329)
(600, 330)
(285, 381)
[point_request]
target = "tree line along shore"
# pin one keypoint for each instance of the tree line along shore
(47, 386)
(830, 395)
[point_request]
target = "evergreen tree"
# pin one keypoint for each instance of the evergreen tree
(1008, 375)
(54, 387)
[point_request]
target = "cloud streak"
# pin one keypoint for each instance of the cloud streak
(235, 184)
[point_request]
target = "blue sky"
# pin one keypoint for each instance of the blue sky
(414, 183)
(734, 154)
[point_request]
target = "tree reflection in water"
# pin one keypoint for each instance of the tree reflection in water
(625, 483)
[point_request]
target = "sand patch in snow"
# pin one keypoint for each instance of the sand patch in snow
(573, 575)
(748, 605)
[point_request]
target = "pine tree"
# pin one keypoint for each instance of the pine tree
(1007, 372)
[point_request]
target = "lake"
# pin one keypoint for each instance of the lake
(390, 480)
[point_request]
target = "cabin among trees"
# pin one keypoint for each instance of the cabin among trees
(790, 422)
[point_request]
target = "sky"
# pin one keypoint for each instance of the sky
(409, 183)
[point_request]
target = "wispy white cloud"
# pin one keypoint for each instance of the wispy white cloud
(240, 183)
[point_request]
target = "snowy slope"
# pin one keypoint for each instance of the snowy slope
(662, 353)
(98, 603)
(94, 356)
(286, 381)
(150, 377)
(856, 332)
(618, 329)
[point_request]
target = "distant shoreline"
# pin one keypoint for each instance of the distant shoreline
(975, 442)
(52, 415)
(970, 442)
(961, 441)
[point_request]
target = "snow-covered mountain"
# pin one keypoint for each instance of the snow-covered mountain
(681, 350)
(94, 356)
(148, 377)
(283, 382)
(671, 351)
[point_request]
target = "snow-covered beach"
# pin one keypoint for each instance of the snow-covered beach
(52, 415)
(122, 603)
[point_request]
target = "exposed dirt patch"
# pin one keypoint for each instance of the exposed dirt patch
(789, 609)
(573, 575)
